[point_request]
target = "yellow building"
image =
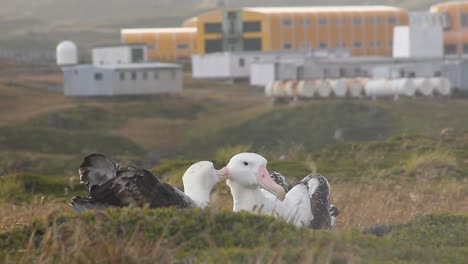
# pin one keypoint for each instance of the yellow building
(364, 30)
(164, 44)
(456, 30)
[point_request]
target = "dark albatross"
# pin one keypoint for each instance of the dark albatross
(110, 185)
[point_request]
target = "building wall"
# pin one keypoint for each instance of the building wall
(115, 55)
(456, 34)
(82, 81)
(418, 41)
(85, 81)
(364, 32)
(153, 81)
(164, 44)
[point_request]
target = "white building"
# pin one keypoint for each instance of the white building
(122, 79)
(115, 71)
(236, 65)
(422, 38)
(119, 54)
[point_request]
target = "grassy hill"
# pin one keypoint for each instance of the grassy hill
(168, 235)
(398, 173)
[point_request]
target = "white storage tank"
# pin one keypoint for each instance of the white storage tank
(269, 88)
(380, 88)
(279, 89)
(290, 88)
(403, 86)
(356, 87)
(66, 53)
(324, 89)
(423, 86)
(306, 89)
(339, 87)
(441, 86)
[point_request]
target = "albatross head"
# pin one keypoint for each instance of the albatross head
(249, 170)
(96, 169)
(199, 179)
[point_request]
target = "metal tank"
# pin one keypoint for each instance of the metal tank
(441, 86)
(307, 89)
(323, 88)
(403, 86)
(380, 88)
(356, 87)
(339, 87)
(423, 86)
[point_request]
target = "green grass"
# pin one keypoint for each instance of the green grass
(81, 118)
(23, 187)
(203, 236)
(47, 140)
(312, 126)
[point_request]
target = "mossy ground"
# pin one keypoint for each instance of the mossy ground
(195, 235)
(398, 167)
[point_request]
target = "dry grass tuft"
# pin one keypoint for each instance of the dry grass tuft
(431, 165)
(384, 202)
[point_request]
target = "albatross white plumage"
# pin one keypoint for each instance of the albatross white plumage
(199, 179)
(306, 204)
(113, 186)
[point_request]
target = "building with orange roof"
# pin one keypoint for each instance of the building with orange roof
(164, 44)
(364, 30)
(456, 30)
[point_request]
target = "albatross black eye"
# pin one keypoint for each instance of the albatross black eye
(246, 163)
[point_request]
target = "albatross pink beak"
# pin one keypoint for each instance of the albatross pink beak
(266, 182)
(222, 173)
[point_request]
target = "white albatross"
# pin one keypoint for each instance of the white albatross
(306, 204)
(111, 186)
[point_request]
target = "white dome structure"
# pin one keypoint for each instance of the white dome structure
(67, 53)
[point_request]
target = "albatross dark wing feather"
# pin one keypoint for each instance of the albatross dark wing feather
(138, 187)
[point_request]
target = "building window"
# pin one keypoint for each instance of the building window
(305, 22)
(122, 76)
(287, 22)
(357, 44)
(134, 75)
(241, 62)
(252, 26)
(182, 46)
(323, 21)
(340, 45)
(323, 45)
(340, 21)
(138, 55)
(252, 44)
(97, 76)
(213, 28)
(232, 15)
(374, 21)
(145, 76)
(213, 45)
(357, 21)
(391, 20)
(450, 49)
(287, 46)
(465, 48)
(464, 19)
(156, 75)
(374, 44)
